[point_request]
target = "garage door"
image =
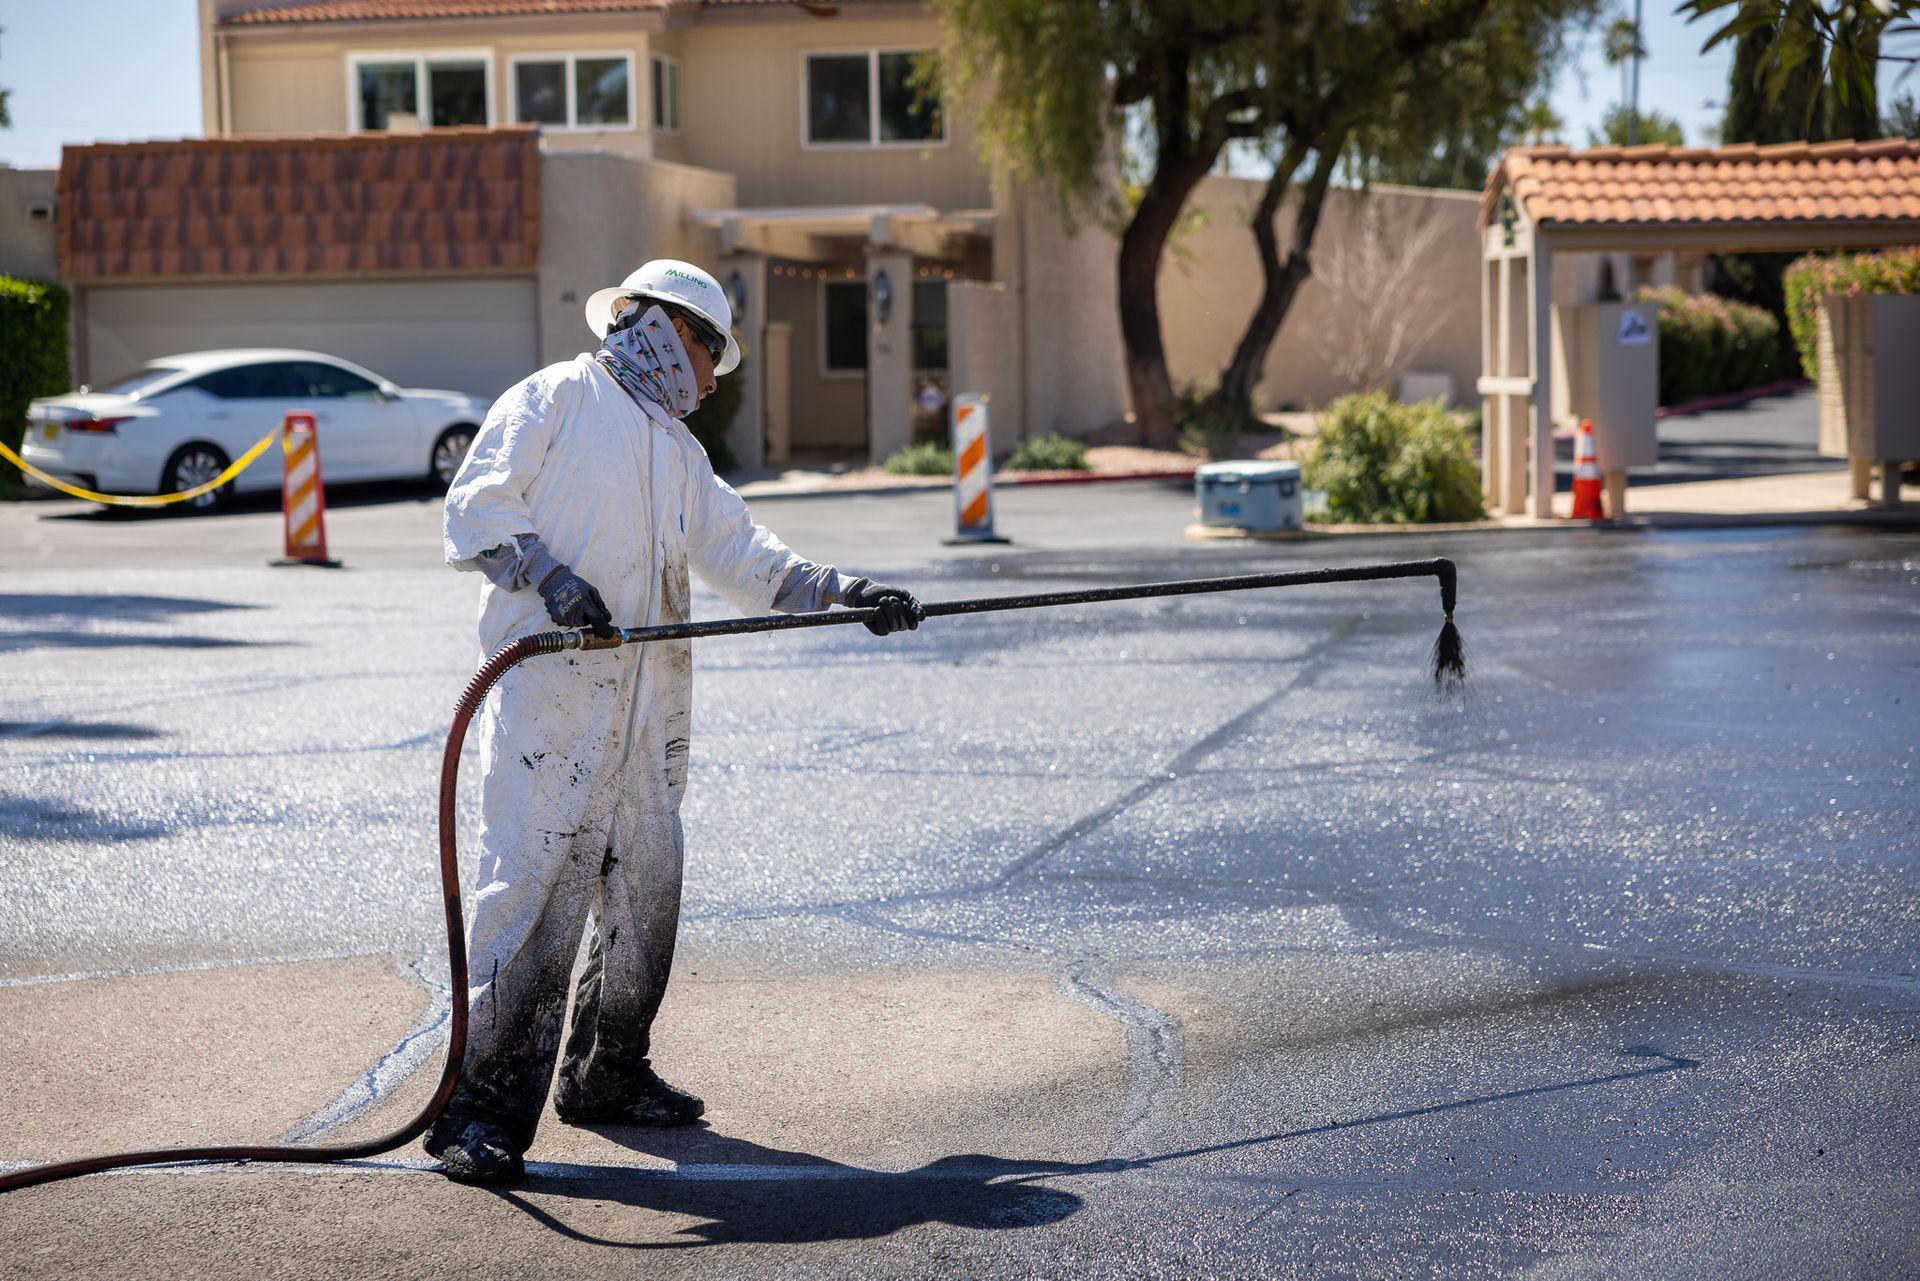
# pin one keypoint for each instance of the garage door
(474, 335)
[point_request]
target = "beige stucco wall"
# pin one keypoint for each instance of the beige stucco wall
(1075, 369)
(26, 245)
(741, 91)
(298, 81)
(829, 410)
(1211, 284)
(601, 216)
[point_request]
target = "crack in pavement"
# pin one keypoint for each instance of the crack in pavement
(1155, 1052)
(393, 1067)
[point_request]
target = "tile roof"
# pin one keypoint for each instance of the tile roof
(349, 204)
(293, 11)
(382, 10)
(1795, 182)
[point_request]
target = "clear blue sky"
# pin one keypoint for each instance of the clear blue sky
(96, 70)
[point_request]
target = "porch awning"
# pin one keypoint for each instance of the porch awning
(824, 233)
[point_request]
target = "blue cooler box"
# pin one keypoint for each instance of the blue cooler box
(1249, 495)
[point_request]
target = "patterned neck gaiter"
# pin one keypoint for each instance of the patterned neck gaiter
(647, 359)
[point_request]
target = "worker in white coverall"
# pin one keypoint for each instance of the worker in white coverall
(584, 501)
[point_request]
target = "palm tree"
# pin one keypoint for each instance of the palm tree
(1625, 49)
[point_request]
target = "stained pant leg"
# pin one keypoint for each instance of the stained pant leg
(525, 937)
(637, 921)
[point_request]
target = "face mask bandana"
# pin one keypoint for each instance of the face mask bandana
(648, 360)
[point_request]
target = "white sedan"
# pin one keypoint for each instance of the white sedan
(178, 421)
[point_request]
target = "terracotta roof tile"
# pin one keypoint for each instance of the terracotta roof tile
(352, 204)
(296, 11)
(391, 10)
(1794, 181)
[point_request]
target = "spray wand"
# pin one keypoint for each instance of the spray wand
(1449, 670)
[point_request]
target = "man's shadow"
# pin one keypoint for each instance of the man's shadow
(743, 1192)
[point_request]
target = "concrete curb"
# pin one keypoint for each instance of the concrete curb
(1727, 400)
(1902, 518)
(764, 489)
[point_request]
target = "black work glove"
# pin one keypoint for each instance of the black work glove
(572, 601)
(899, 611)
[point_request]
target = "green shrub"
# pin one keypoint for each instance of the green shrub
(33, 357)
(710, 422)
(1807, 280)
(1052, 452)
(1383, 462)
(1710, 344)
(929, 458)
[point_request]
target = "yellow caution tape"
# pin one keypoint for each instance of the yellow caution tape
(144, 500)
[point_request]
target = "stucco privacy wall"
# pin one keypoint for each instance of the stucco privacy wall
(26, 245)
(602, 215)
(1211, 284)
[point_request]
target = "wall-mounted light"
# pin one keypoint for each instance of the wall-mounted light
(882, 296)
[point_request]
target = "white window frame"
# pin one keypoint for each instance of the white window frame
(419, 58)
(873, 142)
(826, 370)
(654, 62)
(573, 90)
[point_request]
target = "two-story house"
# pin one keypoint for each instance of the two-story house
(433, 187)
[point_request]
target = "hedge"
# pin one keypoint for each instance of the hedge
(1710, 344)
(33, 356)
(1384, 462)
(1895, 271)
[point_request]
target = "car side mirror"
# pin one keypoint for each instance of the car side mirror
(387, 392)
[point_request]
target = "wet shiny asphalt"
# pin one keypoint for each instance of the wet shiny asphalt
(1611, 967)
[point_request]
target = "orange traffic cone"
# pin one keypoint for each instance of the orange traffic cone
(1586, 476)
(303, 502)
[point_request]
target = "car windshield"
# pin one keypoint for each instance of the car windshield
(138, 380)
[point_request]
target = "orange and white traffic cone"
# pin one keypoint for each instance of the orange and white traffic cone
(303, 500)
(1586, 476)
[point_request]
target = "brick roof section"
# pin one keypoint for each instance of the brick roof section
(451, 200)
(1829, 182)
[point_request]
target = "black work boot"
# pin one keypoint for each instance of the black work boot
(475, 1152)
(654, 1102)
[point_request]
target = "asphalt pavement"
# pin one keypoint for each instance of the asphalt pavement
(1182, 937)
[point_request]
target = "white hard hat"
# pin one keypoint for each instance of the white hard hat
(680, 283)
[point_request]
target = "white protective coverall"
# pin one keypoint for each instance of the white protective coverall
(585, 754)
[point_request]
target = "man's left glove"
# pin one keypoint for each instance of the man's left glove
(899, 611)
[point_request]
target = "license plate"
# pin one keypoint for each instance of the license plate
(51, 431)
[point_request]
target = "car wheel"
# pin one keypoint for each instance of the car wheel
(448, 453)
(192, 466)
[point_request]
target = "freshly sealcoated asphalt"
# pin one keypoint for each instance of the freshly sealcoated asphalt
(1178, 937)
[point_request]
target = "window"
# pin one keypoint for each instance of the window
(577, 91)
(869, 99)
(930, 326)
(666, 94)
(140, 379)
(440, 90)
(845, 305)
(247, 382)
(313, 380)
